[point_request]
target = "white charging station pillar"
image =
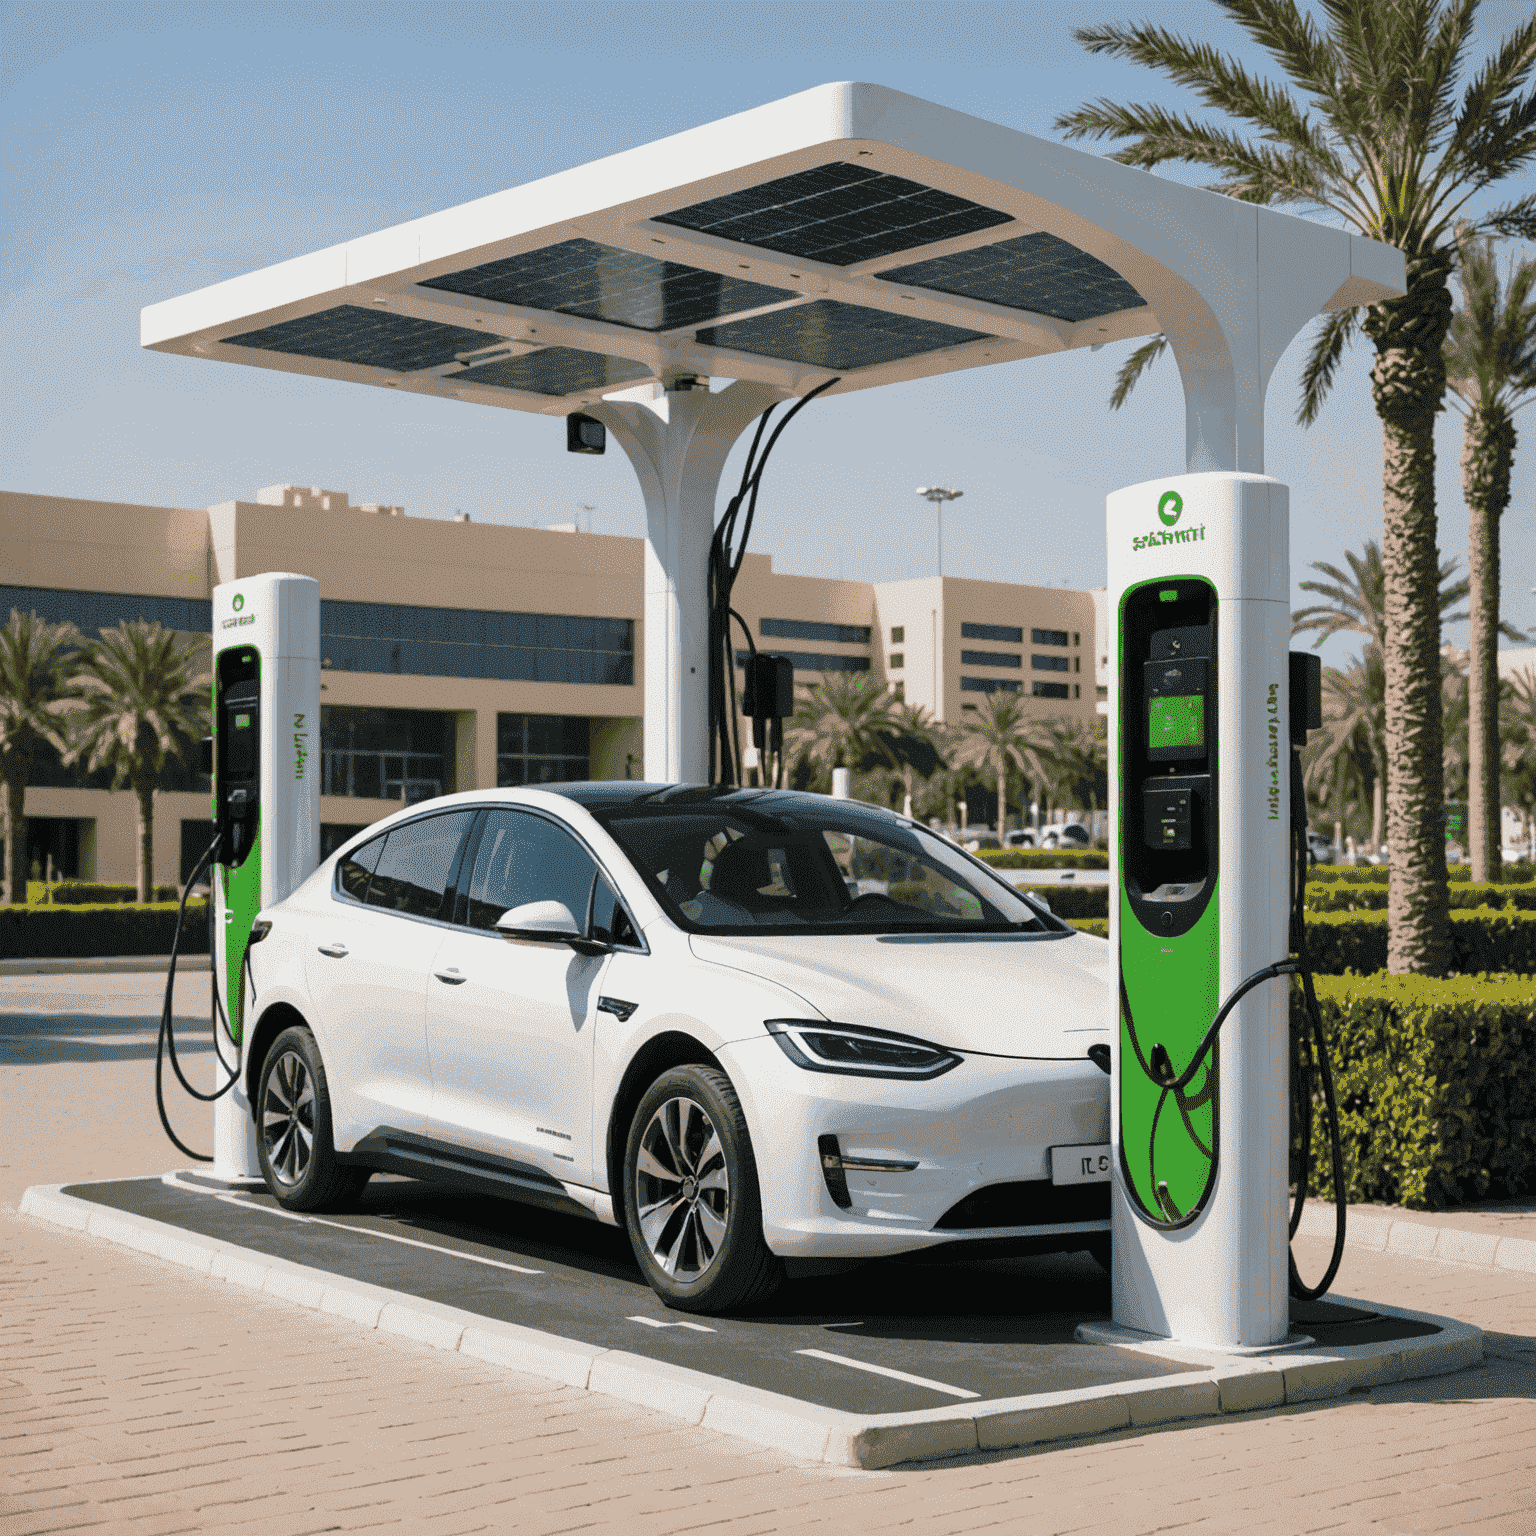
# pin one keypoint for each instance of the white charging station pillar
(266, 786)
(1199, 583)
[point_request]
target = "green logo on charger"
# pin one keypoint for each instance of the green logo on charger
(239, 602)
(1169, 505)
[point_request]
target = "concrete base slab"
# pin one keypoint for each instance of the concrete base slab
(1135, 1338)
(1191, 1384)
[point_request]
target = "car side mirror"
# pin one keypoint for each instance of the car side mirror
(547, 922)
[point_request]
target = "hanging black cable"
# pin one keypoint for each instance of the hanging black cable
(167, 1039)
(726, 554)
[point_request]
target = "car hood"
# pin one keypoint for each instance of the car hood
(997, 995)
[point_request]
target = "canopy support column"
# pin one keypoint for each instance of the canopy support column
(678, 443)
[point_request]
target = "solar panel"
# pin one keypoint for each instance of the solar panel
(1037, 272)
(837, 213)
(828, 334)
(554, 371)
(375, 338)
(601, 282)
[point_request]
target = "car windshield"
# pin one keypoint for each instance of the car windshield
(802, 863)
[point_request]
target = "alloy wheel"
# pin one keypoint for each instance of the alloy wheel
(288, 1118)
(682, 1189)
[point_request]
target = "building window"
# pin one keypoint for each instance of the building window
(386, 754)
(1077, 690)
(95, 611)
(898, 661)
(899, 692)
(1077, 663)
(806, 629)
(1048, 663)
(1049, 690)
(898, 634)
(542, 749)
(1048, 637)
(476, 642)
(991, 659)
(1076, 638)
(1005, 633)
(992, 685)
(1103, 690)
(809, 661)
(334, 833)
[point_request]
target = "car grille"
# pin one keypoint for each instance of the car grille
(1028, 1203)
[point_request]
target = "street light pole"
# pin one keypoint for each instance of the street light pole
(938, 495)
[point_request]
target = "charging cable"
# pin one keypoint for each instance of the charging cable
(166, 1044)
(1313, 1055)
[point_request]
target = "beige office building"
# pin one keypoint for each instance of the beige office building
(460, 655)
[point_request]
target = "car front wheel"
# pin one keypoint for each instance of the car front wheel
(691, 1200)
(293, 1129)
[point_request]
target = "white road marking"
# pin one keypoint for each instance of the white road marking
(392, 1237)
(651, 1322)
(885, 1370)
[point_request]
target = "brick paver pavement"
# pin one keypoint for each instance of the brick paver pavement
(139, 1397)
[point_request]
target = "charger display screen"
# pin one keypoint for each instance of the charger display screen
(1177, 721)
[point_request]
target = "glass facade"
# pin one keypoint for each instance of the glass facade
(542, 749)
(1048, 663)
(96, 611)
(805, 629)
(811, 661)
(1048, 637)
(387, 754)
(475, 642)
(1005, 633)
(992, 685)
(991, 659)
(1049, 690)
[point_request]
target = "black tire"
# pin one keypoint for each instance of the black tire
(1099, 1247)
(691, 1199)
(293, 1129)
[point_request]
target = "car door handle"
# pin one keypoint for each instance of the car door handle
(335, 951)
(452, 975)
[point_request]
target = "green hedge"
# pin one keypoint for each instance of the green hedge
(1097, 926)
(87, 893)
(1482, 939)
(1074, 901)
(1373, 874)
(1436, 1084)
(1350, 897)
(35, 933)
(1044, 858)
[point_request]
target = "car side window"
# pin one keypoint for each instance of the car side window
(413, 874)
(522, 858)
(354, 871)
(609, 919)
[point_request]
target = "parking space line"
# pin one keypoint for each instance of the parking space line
(389, 1237)
(652, 1322)
(885, 1370)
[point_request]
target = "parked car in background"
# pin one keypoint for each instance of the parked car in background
(1067, 834)
(1320, 849)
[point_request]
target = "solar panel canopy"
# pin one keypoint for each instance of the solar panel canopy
(848, 231)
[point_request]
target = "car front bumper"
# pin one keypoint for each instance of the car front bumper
(990, 1122)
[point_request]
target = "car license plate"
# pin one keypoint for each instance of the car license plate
(1080, 1165)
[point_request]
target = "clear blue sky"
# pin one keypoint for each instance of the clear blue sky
(150, 149)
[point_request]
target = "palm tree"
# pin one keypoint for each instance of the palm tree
(1001, 738)
(34, 693)
(1517, 722)
(1357, 602)
(916, 741)
(1078, 754)
(1347, 759)
(145, 693)
(1386, 139)
(842, 722)
(1490, 363)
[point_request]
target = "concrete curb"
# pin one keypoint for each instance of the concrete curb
(1423, 1240)
(1220, 1385)
(103, 965)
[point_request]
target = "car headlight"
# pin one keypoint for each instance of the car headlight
(855, 1051)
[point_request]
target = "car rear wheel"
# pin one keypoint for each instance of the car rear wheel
(691, 1200)
(293, 1129)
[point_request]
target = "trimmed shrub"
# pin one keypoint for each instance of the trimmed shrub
(1044, 858)
(1072, 901)
(1348, 874)
(1348, 897)
(1436, 1085)
(114, 928)
(87, 893)
(1482, 939)
(1097, 926)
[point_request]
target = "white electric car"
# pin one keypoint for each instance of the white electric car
(767, 1032)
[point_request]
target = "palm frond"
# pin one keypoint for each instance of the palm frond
(1515, 221)
(1495, 127)
(1330, 343)
(1133, 367)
